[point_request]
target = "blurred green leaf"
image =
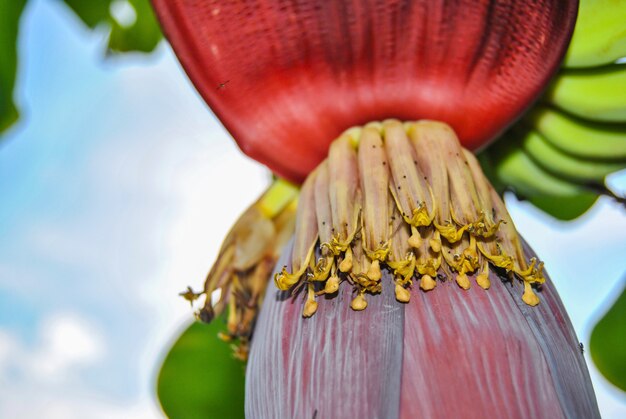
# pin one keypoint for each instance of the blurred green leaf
(608, 343)
(140, 33)
(10, 12)
(200, 378)
(143, 35)
(91, 12)
(565, 208)
(487, 163)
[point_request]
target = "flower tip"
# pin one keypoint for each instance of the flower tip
(241, 353)
(310, 307)
(482, 280)
(415, 240)
(346, 263)
(529, 296)
(359, 303)
(427, 283)
(435, 245)
(402, 294)
(373, 272)
(332, 285)
(205, 315)
(463, 281)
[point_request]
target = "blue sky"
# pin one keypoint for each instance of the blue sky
(117, 187)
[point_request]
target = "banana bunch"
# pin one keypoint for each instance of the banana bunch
(600, 34)
(558, 155)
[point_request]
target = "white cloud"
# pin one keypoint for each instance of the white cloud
(8, 347)
(123, 12)
(67, 344)
(31, 402)
(159, 186)
(46, 379)
(60, 244)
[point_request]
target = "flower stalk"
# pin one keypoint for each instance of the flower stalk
(399, 296)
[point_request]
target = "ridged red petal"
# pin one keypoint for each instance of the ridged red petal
(448, 353)
(300, 72)
(340, 363)
(478, 354)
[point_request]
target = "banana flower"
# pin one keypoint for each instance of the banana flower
(406, 290)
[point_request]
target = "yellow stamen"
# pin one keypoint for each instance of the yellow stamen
(534, 273)
(450, 232)
(374, 180)
(322, 268)
(306, 236)
(501, 261)
(430, 267)
(471, 256)
(407, 198)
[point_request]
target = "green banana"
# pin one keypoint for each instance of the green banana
(565, 208)
(565, 166)
(578, 137)
(600, 34)
(598, 94)
(515, 168)
(559, 155)
(510, 167)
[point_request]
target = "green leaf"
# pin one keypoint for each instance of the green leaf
(91, 12)
(565, 208)
(200, 378)
(142, 34)
(608, 343)
(10, 12)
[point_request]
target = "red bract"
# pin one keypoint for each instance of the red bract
(447, 354)
(287, 77)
